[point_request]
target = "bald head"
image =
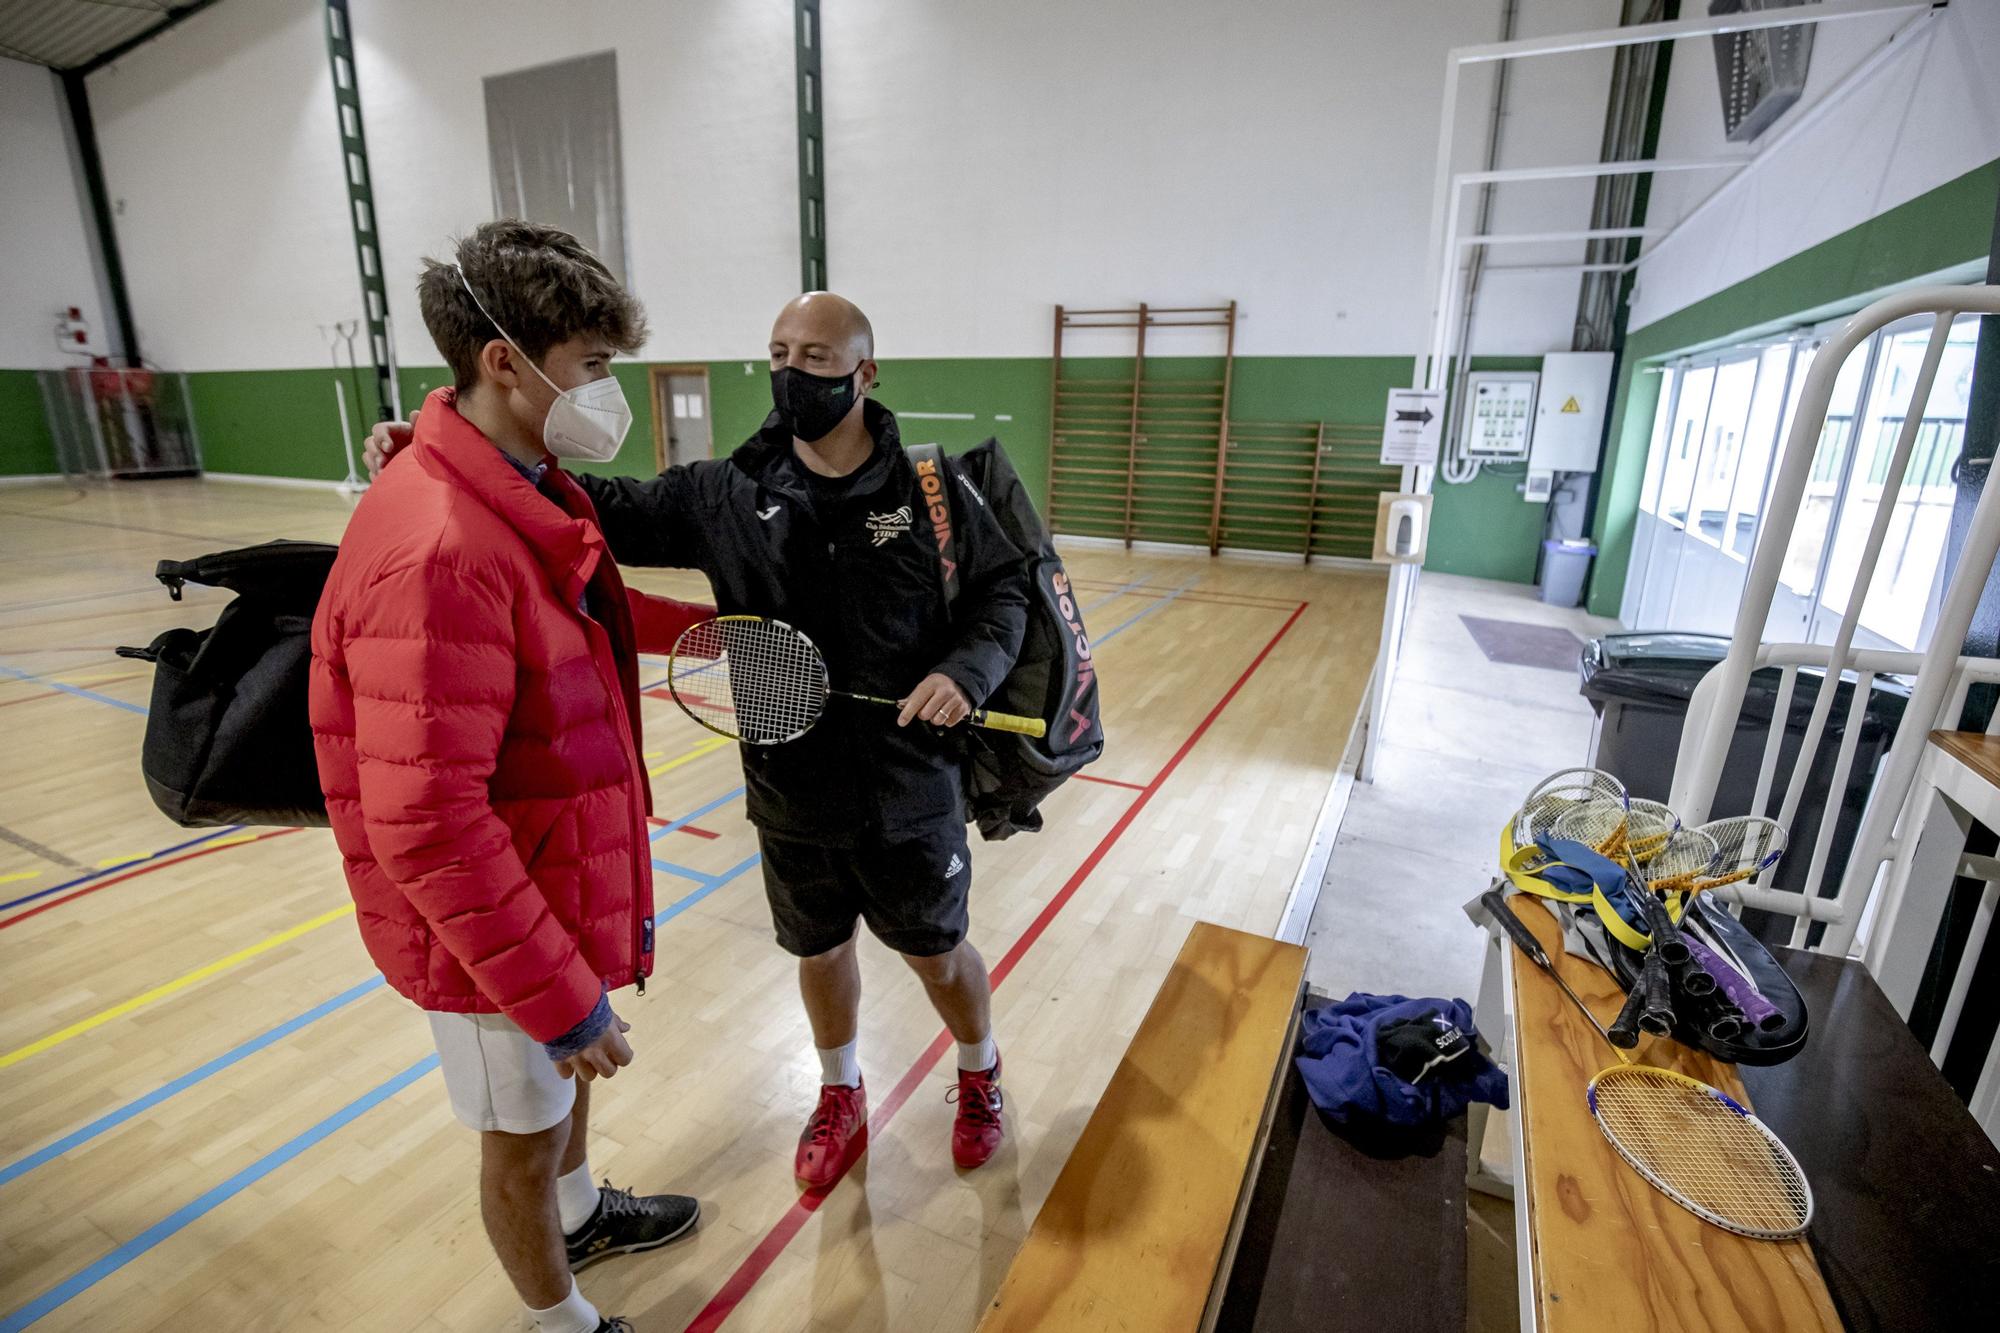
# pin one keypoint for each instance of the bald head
(823, 333)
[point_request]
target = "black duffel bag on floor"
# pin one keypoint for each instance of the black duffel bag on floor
(227, 740)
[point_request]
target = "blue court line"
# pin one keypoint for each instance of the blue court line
(111, 1120)
(1114, 595)
(685, 675)
(77, 690)
(93, 1273)
(693, 815)
(121, 866)
(714, 882)
(1124, 625)
(15, 1170)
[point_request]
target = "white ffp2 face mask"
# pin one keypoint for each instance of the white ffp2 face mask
(588, 422)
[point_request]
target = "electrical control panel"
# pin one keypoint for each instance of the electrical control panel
(1499, 417)
(1569, 418)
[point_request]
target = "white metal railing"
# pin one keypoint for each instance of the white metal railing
(1940, 676)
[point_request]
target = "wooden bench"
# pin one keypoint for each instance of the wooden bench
(1598, 1247)
(1140, 1227)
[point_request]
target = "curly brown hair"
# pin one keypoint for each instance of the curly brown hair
(540, 282)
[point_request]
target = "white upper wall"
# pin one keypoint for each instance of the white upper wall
(45, 260)
(706, 118)
(1554, 117)
(1930, 115)
(986, 161)
(224, 170)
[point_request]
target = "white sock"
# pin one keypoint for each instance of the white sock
(841, 1064)
(979, 1056)
(576, 1198)
(572, 1314)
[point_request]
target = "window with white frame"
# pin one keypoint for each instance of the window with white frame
(1718, 435)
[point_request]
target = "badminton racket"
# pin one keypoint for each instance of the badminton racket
(1693, 1143)
(759, 680)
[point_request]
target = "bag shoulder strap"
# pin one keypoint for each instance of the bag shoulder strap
(934, 488)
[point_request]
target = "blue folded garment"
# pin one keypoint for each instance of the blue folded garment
(1346, 1077)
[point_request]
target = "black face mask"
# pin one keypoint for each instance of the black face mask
(809, 405)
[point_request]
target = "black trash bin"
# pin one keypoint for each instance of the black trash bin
(1640, 685)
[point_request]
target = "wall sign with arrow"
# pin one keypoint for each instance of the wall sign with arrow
(1412, 426)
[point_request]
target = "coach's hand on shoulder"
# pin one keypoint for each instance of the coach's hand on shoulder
(938, 700)
(385, 441)
(603, 1057)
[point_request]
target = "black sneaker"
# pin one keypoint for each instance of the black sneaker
(614, 1325)
(626, 1223)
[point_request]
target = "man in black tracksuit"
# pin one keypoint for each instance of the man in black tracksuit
(818, 521)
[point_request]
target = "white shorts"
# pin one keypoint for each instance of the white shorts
(497, 1076)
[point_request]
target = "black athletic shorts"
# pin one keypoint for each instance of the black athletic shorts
(911, 891)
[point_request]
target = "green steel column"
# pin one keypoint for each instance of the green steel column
(812, 149)
(360, 202)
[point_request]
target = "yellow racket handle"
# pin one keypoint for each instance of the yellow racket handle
(978, 717)
(1020, 726)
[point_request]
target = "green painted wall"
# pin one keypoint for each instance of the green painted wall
(26, 447)
(272, 423)
(1938, 231)
(282, 423)
(1483, 528)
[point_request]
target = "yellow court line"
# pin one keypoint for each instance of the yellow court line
(19, 874)
(117, 861)
(179, 983)
(706, 747)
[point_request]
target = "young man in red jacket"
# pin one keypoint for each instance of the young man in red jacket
(475, 711)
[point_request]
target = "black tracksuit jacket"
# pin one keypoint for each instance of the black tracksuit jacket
(859, 573)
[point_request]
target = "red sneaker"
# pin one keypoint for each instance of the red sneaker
(835, 1135)
(976, 1133)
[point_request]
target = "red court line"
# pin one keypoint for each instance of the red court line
(1206, 599)
(766, 1252)
(142, 870)
(1211, 595)
(1109, 782)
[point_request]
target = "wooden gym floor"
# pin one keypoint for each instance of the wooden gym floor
(213, 1114)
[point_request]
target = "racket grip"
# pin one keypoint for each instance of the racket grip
(1694, 979)
(1755, 1008)
(1656, 1010)
(1624, 1029)
(1666, 936)
(1020, 726)
(1496, 906)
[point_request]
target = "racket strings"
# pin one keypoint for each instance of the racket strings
(1680, 862)
(756, 680)
(1745, 846)
(1585, 805)
(1702, 1151)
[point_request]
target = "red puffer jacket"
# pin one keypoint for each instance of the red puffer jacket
(478, 736)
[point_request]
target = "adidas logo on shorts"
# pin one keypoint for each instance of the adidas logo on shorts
(957, 864)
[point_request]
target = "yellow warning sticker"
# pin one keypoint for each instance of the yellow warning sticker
(1572, 405)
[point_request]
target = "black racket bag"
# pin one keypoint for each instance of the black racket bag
(1007, 776)
(227, 739)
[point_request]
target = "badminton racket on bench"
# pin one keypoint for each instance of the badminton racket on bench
(1694, 1143)
(1746, 846)
(759, 680)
